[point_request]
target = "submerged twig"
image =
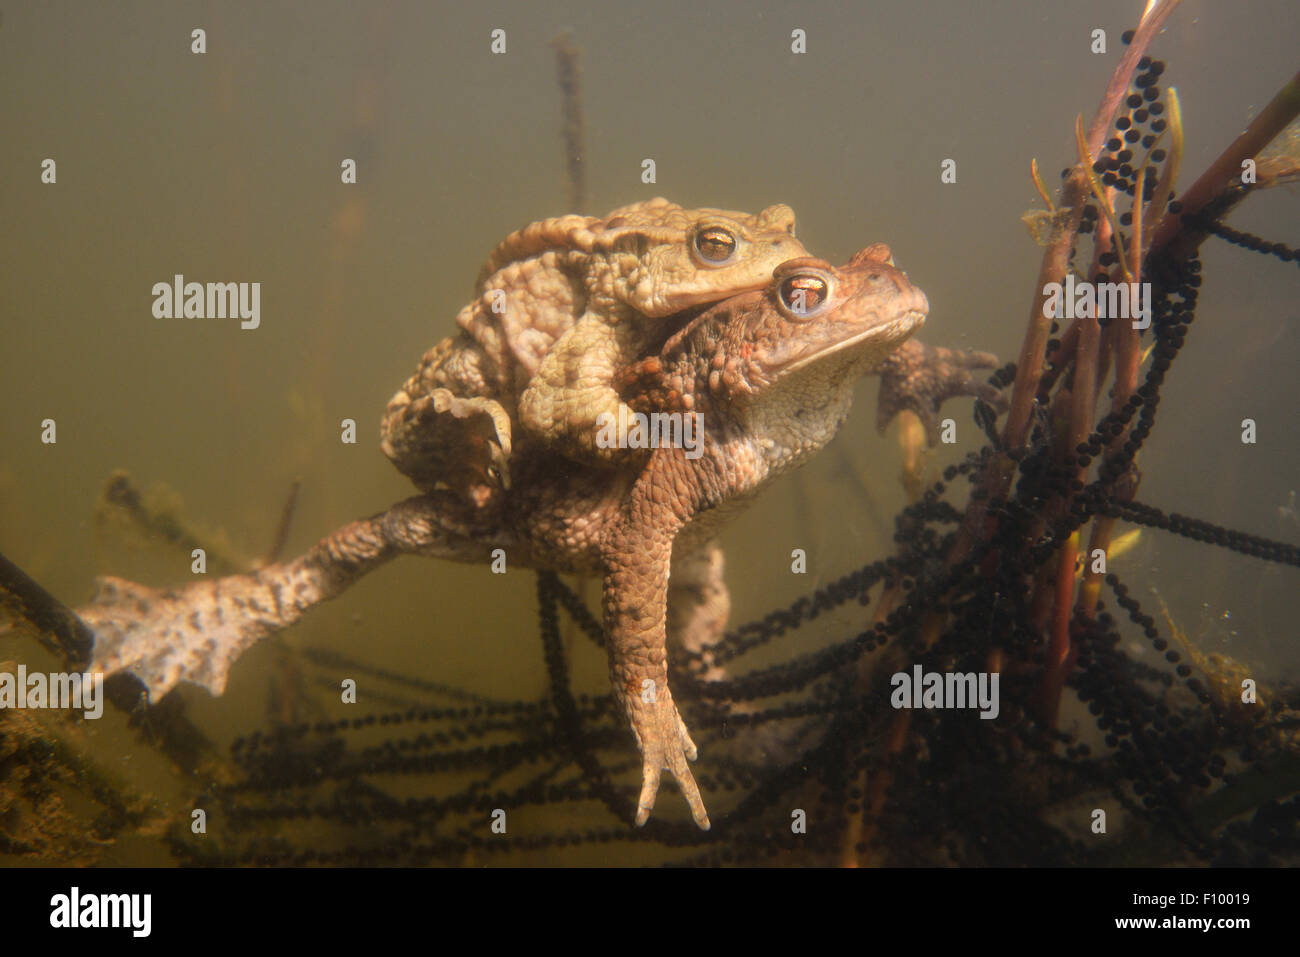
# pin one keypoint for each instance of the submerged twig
(568, 65)
(286, 520)
(121, 492)
(57, 626)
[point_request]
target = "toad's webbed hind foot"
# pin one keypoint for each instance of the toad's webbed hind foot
(920, 378)
(195, 632)
(665, 742)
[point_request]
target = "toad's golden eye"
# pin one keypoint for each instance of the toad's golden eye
(715, 245)
(803, 295)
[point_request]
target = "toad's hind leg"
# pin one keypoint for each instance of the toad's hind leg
(634, 600)
(698, 607)
(196, 632)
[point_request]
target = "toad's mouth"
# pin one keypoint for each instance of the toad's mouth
(693, 298)
(888, 334)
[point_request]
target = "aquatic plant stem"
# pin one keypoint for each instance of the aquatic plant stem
(1060, 653)
(1030, 367)
(1083, 402)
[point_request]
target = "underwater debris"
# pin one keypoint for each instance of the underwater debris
(157, 517)
(56, 805)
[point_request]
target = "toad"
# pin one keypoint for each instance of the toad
(562, 302)
(770, 373)
(558, 307)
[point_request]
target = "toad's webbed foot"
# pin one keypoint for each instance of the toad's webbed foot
(665, 742)
(920, 377)
(195, 632)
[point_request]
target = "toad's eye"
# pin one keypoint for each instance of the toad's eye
(803, 295)
(715, 245)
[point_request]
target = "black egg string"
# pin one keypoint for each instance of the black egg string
(1270, 838)
(522, 711)
(1138, 127)
(1197, 530)
(1186, 744)
(578, 612)
(1171, 321)
(1151, 743)
(338, 661)
(757, 718)
(413, 848)
(853, 586)
(423, 811)
(776, 624)
(425, 814)
(754, 803)
(568, 720)
(287, 769)
(1239, 237)
(922, 594)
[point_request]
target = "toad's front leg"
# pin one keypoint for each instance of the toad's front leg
(571, 402)
(635, 604)
(920, 378)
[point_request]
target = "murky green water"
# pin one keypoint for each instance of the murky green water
(225, 167)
